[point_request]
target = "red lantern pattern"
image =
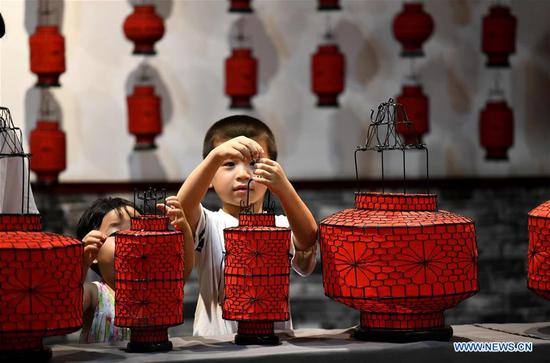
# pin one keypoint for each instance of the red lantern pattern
(144, 27)
(47, 54)
(412, 27)
(499, 36)
(496, 129)
(149, 282)
(327, 74)
(144, 116)
(256, 277)
(401, 262)
(48, 149)
(241, 70)
(41, 292)
(329, 5)
(538, 260)
(240, 6)
(416, 105)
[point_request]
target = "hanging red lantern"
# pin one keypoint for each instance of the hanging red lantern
(327, 74)
(538, 260)
(256, 277)
(499, 36)
(149, 282)
(241, 72)
(240, 6)
(416, 105)
(48, 150)
(496, 129)
(47, 53)
(329, 5)
(144, 27)
(412, 27)
(144, 116)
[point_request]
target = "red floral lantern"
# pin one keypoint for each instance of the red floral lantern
(329, 5)
(538, 260)
(240, 6)
(416, 105)
(412, 27)
(496, 129)
(48, 149)
(144, 27)
(149, 282)
(241, 72)
(256, 277)
(499, 36)
(327, 74)
(47, 53)
(144, 116)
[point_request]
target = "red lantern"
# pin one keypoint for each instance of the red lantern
(416, 105)
(47, 51)
(538, 260)
(329, 5)
(241, 70)
(327, 74)
(256, 277)
(144, 116)
(149, 282)
(48, 149)
(144, 27)
(240, 6)
(496, 129)
(401, 262)
(412, 27)
(499, 36)
(41, 292)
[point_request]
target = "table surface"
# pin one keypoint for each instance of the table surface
(321, 345)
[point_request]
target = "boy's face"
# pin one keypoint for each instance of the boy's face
(231, 180)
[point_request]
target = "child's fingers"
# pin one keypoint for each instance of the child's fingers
(264, 174)
(243, 150)
(256, 149)
(95, 234)
(266, 167)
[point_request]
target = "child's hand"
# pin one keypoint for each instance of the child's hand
(92, 243)
(240, 148)
(271, 174)
(173, 209)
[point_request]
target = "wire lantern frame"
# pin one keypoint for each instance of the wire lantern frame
(247, 208)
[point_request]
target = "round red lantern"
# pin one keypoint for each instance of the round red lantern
(327, 74)
(329, 5)
(538, 259)
(416, 104)
(496, 129)
(149, 282)
(498, 39)
(241, 72)
(41, 292)
(144, 27)
(256, 277)
(47, 53)
(144, 116)
(412, 27)
(48, 150)
(240, 6)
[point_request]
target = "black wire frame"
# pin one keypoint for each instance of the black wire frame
(148, 199)
(247, 208)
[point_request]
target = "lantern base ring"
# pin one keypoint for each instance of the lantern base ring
(42, 354)
(148, 347)
(403, 336)
(412, 53)
(249, 339)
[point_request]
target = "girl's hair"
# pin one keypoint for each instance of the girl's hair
(93, 216)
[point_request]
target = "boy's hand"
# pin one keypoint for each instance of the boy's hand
(240, 148)
(92, 243)
(271, 174)
(173, 209)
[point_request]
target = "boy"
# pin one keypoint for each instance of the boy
(235, 150)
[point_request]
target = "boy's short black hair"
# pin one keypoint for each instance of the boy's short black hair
(93, 216)
(239, 125)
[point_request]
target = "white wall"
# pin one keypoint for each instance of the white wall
(314, 143)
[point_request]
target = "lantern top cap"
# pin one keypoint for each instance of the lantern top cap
(247, 208)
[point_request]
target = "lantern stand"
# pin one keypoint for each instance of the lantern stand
(240, 6)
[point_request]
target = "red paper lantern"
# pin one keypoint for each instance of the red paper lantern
(240, 6)
(327, 74)
(144, 27)
(538, 260)
(401, 262)
(329, 5)
(241, 72)
(256, 277)
(144, 116)
(498, 39)
(412, 27)
(47, 52)
(41, 287)
(48, 149)
(496, 129)
(149, 282)
(416, 105)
